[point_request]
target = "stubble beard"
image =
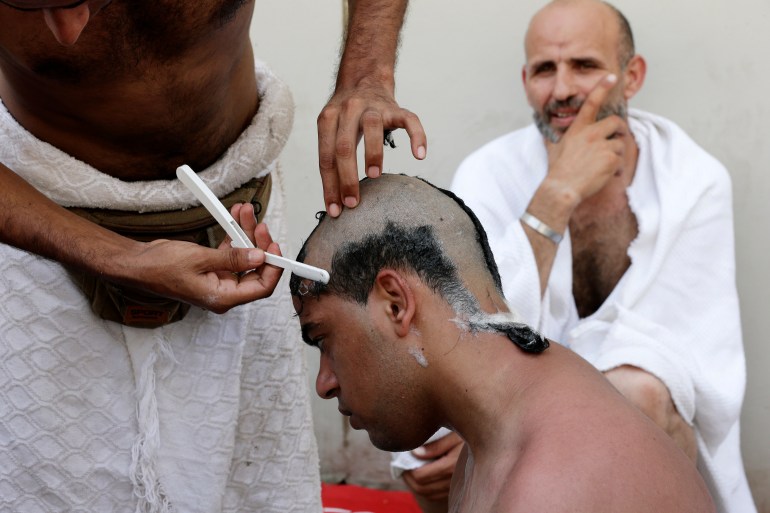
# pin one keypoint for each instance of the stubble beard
(543, 119)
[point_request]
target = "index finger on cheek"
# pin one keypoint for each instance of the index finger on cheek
(595, 99)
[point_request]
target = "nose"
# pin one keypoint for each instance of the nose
(326, 384)
(564, 86)
(67, 24)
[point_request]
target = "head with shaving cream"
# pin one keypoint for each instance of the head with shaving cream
(410, 261)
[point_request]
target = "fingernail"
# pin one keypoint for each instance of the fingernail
(419, 452)
(421, 152)
(334, 210)
(350, 201)
(255, 257)
(373, 172)
(612, 78)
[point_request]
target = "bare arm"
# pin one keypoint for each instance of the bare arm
(194, 274)
(651, 396)
(580, 164)
(363, 103)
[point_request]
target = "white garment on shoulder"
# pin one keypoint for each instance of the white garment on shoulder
(208, 414)
(675, 311)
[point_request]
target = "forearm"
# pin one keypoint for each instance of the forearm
(32, 222)
(553, 205)
(371, 42)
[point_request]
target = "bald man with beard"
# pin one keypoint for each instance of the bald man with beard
(613, 232)
(414, 334)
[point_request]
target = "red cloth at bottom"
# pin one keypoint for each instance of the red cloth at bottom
(357, 499)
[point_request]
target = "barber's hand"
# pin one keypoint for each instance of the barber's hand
(590, 152)
(432, 480)
(209, 278)
(365, 110)
(651, 396)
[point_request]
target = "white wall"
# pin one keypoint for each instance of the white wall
(459, 71)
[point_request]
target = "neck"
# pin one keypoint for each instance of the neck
(485, 382)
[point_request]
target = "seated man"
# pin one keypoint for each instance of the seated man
(613, 233)
(414, 334)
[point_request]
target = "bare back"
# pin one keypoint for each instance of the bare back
(150, 83)
(577, 445)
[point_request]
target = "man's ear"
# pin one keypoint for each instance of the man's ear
(393, 294)
(67, 24)
(633, 76)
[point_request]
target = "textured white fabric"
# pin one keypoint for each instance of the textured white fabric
(675, 311)
(214, 408)
(71, 183)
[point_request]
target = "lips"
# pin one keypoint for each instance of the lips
(562, 118)
(354, 421)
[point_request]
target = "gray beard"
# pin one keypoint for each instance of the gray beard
(542, 120)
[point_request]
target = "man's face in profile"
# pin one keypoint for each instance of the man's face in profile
(570, 48)
(359, 366)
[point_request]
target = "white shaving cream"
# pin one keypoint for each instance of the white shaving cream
(418, 355)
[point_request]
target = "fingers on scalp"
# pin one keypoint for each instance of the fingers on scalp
(371, 123)
(347, 168)
(327, 165)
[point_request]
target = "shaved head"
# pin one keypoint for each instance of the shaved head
(406, 224)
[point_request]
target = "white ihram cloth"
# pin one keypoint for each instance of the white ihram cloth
(208, 414)
(675, 311)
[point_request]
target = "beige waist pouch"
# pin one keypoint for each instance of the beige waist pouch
(139, 308)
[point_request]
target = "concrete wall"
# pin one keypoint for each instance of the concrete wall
(459, 71)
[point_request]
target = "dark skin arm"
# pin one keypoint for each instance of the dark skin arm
(363, 104)
(194, 274)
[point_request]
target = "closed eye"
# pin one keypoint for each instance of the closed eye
(307, 330)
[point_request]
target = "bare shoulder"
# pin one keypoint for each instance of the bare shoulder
(587, 449)
(610, 471)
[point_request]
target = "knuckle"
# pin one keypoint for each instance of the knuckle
(327, 115)
(326, 162)
(234, 260)
(344, 148)
(371, 119)
(410, 116)
(353, 104)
